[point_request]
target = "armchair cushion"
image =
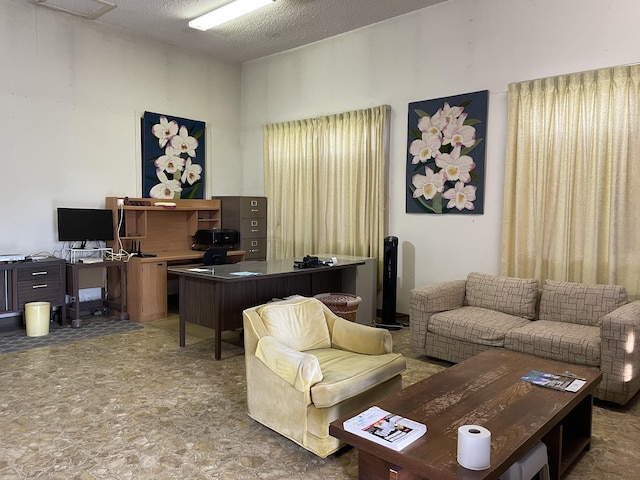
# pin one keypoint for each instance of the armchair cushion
(579, 303)
(299, 325)
(301, 370)
(346, 374)
(510, 295)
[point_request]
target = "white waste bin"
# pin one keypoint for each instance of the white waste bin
(37, 316)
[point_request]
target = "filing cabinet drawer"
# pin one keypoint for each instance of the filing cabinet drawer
(254, 248)
(253, 207)
(253, 228)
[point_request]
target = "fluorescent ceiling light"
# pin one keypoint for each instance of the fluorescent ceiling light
(227, 12)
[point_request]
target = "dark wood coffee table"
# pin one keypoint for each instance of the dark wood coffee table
(484, 390)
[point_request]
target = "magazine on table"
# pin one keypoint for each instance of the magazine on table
(385, 428)
(557, 381)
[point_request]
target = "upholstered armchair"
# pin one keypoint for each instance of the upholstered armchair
(306, 367)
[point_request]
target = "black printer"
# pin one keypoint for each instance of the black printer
(218, 237)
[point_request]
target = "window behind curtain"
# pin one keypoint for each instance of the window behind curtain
(572, 168)
(326, 182)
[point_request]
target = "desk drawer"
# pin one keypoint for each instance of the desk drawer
(39, 273)
(45, 291)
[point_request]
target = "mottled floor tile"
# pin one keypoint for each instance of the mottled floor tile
(137, 406)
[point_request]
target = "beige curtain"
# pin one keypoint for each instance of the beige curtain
(325, 181)
(571, 204)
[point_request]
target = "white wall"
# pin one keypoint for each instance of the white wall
(71, 95)
(452, 48)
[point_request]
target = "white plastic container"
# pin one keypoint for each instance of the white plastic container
(37, 316)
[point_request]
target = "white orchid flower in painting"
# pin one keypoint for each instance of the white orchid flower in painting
(166, 188)
(425, 148)
(191, 172)
(457, 133)
(432, 125)
(170, 162)
(451, 113)
(184, 143)
(455, 166)
(461, 196)
(164, 130)
(428, 185)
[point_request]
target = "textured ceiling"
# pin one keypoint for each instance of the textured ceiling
(275, 28)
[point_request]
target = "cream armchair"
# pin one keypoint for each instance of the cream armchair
(306, 367)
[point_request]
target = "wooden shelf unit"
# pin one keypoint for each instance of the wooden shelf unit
(162, 229)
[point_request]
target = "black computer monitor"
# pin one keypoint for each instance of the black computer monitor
(85, 224)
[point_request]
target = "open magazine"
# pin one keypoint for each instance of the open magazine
(556, 381)
(385, 428)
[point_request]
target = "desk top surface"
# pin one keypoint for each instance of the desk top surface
(180, 255)
(251, 269)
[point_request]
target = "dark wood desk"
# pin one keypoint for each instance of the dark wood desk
(147, 280)
(215, 297)
(484, 390)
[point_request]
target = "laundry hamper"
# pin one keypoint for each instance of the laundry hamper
(344, 305)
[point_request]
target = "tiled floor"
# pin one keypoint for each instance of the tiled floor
(136, 406)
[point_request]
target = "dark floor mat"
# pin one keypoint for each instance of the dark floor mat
(97, 328)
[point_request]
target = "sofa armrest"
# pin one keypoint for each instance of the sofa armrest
(620, 345)
(426, 301)
(301, 370)
(438, 297)
(358, 338)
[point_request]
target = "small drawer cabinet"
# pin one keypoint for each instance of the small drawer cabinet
(247, 215)
(39, 281)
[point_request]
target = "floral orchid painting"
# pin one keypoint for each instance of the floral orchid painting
(446, 153)
(172, 157)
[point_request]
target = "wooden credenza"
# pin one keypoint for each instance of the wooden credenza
(167, 233)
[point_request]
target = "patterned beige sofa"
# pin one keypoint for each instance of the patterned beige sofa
(593, 325)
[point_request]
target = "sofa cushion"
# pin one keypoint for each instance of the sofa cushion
(565, 342)
(579, 303)
(475, 324)
(299, 324)
(346, 374)
(510, 295)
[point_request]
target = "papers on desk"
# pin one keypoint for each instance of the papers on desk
(201, 269)
(244, 274)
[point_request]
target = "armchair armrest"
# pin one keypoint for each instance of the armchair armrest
(358, 338)
(620, 344)
(301, 370)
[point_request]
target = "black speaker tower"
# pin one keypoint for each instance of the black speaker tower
(389, 281)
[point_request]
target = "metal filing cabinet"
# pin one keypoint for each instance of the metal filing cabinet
(247, 215)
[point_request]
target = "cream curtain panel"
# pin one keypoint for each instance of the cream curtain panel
(325, 180)
(572, 202)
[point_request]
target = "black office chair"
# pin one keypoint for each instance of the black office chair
(215, 256)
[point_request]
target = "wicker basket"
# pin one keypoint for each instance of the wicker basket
(344, 305)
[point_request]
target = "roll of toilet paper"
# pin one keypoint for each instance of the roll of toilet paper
(474, 447)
